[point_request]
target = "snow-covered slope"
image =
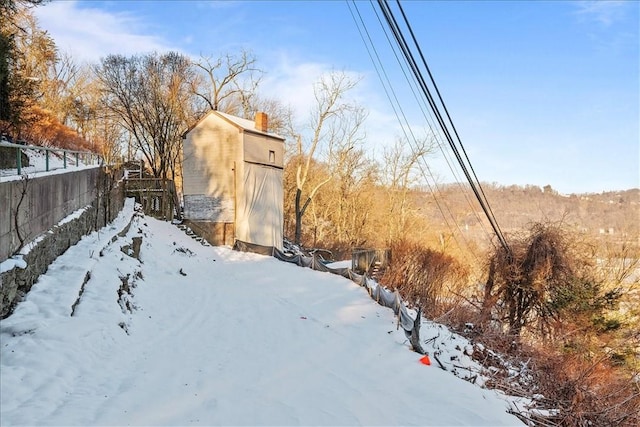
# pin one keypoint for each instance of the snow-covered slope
(38, 165)
(216, 337)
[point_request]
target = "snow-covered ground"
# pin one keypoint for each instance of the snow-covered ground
(38, 165)
(218, 337)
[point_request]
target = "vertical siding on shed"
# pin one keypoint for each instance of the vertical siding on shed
(233, 182)
(210, 150)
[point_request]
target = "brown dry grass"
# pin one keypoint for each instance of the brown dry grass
(543, 308)
(429, 279)
(571, 390)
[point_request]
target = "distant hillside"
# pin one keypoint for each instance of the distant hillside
(611, 215)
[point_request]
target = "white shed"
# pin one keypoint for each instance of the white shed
(232, 180)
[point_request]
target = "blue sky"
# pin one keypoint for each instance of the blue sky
(540, 92)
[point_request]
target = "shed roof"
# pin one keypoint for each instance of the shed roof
(239, 122)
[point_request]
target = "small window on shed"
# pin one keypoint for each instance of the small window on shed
(272, 156)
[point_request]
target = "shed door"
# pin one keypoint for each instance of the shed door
(260, 220)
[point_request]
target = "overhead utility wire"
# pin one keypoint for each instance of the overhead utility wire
(386, 84)
(422, 84)
(417, 74)
(388, 87)
(429, 119)
(446, 110)
(404, 124)
(418, 77)
(388, 14)
(474, 185)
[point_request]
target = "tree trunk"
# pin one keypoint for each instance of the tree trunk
(298, 218)
(415, 333)
(489, 299)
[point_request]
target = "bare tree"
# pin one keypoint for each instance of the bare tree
(354, 175)
(36, 49)
(399, 175)
(56, 76)
(45, 85)
(332, 119)
(67, 83)
(150, 96)
(227, 83)
(99, 124)
(280, 115)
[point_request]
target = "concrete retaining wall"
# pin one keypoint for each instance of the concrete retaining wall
(39, 203)
(47, 201)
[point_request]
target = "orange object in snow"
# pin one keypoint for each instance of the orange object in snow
(425, 360)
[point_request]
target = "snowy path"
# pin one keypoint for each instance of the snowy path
(241, 339)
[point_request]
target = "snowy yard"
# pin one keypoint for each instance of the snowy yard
(218, 337)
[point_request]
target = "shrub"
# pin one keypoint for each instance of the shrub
(429, 279)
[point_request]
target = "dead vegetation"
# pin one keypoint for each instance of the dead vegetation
(533, 281)
(430, 279)
(550, 319)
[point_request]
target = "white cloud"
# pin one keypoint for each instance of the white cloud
(603, 12)
(291, 81)
(89, 34)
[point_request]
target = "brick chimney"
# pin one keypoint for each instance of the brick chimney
(262, 123)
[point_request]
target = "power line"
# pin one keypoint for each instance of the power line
(498, 232)
(413, 65)
(429, 119)
(397, 108)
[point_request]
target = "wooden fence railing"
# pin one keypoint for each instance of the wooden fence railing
(157, 196)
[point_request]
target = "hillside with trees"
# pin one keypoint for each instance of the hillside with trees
(41, 89)
(608, 217)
